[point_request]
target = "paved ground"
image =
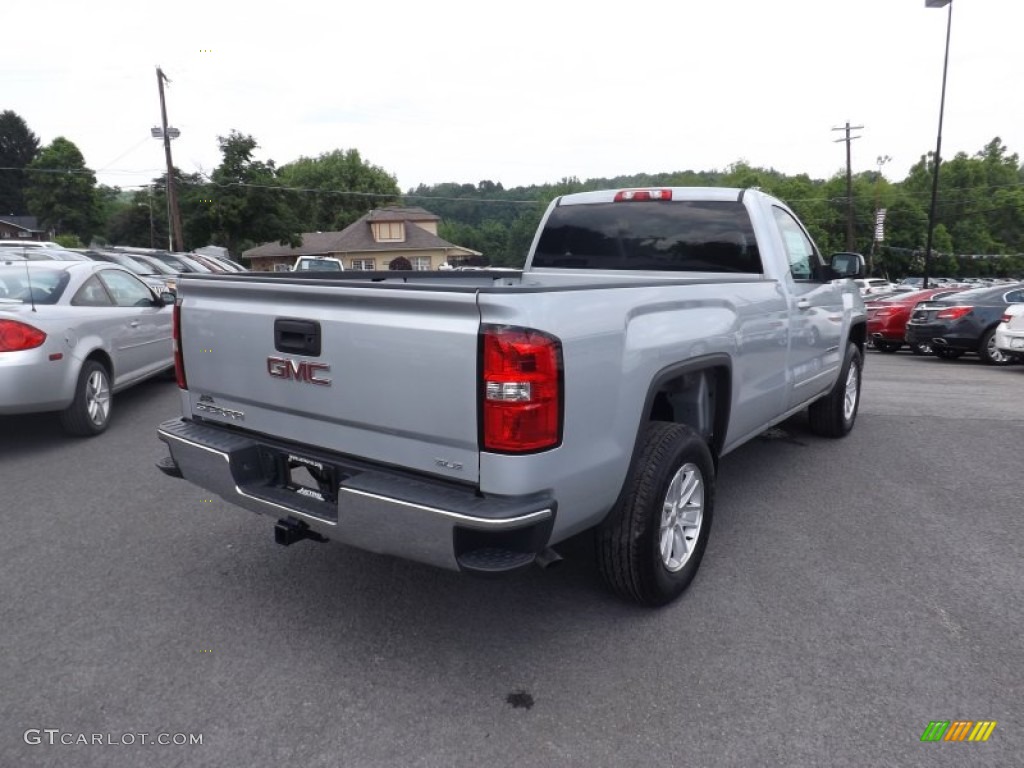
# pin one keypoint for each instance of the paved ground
(852, 592)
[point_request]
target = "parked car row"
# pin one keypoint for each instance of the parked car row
(78, 325)
(951, 322)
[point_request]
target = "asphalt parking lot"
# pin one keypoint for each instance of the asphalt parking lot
(852, 592)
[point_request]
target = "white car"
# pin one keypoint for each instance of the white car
(873, 286)
(1010, 332)
(318, 264)
(72, 333)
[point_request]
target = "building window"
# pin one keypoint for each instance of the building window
(362, 265)
(389, 231)
(420, 263)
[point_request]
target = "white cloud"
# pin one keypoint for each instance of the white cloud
(524, 92)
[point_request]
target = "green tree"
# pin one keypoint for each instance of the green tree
(246, 204)
(332, 190)
(61, 191)
(18, 147)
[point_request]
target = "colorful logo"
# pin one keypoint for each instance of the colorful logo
(958, 730)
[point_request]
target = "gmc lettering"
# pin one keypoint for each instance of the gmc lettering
(297, 370)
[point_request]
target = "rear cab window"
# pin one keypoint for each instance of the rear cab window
(656, 235)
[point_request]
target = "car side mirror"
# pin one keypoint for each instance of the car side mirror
(847, 265)
(166, 297)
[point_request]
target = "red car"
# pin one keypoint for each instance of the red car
(887, 318)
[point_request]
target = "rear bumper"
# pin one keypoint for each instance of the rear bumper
(31, 382)
(953, 338)
(367, 506)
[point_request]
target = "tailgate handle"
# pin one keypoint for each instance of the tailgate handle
(300, 337)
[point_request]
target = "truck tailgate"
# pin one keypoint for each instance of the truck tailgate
(394, 380)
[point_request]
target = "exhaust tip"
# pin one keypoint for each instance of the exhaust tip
(548, 558)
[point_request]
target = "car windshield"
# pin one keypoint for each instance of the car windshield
(681, 236)
(157, 265)
(129, 262)
(41, 286)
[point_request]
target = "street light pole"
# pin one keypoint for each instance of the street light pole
(938, 140)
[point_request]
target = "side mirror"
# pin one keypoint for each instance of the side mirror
(847, 265)
(167, 297)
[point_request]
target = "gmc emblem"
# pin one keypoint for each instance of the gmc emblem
(297, 370)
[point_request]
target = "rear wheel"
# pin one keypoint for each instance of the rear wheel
(947, 354)
(990, 353)
(921, 349)
(887, 346)
(89, 412)
(834, 414)
(651, 545)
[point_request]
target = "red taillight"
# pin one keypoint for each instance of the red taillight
(179, 360)
(16, 337)
(1005, 318)
(632, 195)
(521, 390)
(953, 313)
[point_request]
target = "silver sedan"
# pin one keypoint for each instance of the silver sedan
(74, 333)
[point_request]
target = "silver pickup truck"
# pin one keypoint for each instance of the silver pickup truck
(474, 420)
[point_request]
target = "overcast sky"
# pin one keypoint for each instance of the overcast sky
(518, 92)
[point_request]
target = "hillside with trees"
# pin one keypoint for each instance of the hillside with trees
(246, 201)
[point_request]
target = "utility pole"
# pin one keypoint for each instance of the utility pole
(176, 241)
(152, 224)
(849, 181)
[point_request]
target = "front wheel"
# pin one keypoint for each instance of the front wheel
(89, 412)
(834, 414)
(990, 353)
(650, 546)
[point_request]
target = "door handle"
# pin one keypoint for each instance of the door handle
(134, 323)
(803, 304)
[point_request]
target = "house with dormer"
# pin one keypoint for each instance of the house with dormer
(370, 243)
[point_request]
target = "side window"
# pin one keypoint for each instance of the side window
(803, 258)
(1015, 297)
(92, 294)
(127, 290)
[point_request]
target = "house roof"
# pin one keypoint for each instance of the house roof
(29, 223)
(357, 237)
(400, 213)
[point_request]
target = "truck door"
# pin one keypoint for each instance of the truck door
(816, 314)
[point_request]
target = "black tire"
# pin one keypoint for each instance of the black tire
(87, 416)
(629, 542)
(945, 353)
(833, 415)
(887, 346)
(921, 349)
(989, 353)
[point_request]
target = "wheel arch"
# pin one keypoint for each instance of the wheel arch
(859, 335)
(697, 393)
(102, 357)
(716, 371)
